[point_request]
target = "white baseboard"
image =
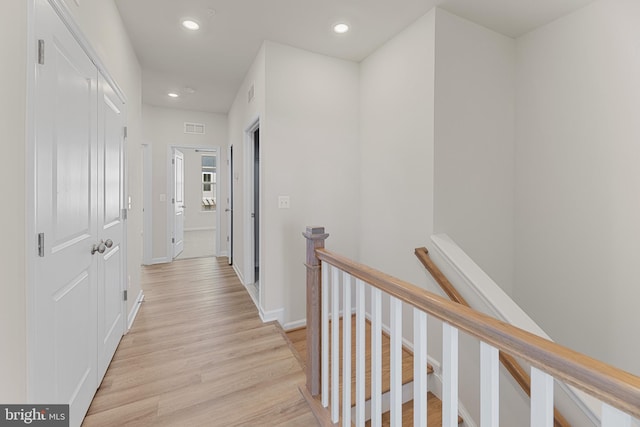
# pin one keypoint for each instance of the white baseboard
(272, 315)
(238, 273)
(134, 310)
(163, 260)
(294, 325)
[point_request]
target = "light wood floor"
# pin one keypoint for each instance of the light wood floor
(199, 355)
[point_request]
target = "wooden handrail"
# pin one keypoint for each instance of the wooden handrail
(509, 362)
(611, 385)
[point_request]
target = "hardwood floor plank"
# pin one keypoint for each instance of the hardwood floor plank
(199, 355)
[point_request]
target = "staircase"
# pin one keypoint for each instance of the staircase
(297, 340)
(333, 280)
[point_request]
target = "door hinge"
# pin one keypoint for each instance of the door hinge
(173, 240)
(173, 161)
(126, 131)
(227, 238)
(41, 244)
(125, 214)
(125, 295)
(41, 52)
(173, 200)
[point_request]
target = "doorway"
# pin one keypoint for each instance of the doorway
(253, 204)
(194, 178)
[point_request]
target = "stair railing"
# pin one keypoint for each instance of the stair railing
(330, 275)
(509, 362)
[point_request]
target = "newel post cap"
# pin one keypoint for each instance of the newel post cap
(315, 233)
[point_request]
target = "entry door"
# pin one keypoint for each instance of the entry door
(111, 274)
(63, 353)
(178, 203)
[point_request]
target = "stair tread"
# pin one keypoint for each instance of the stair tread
(434, 413)
(297, 338)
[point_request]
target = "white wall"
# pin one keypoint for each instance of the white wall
(577, 228)
(474, 143)
(241, 115)
(163, 128)
(309, 144)
(397, 150)
(13, 333)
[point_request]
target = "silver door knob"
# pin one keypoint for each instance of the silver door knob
(228, 210)
(108, 243)
(100, 248)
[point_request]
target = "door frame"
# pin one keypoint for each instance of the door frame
(171, 190)
(66, 16)
(147, 204)
(229, 208)
(249, 241)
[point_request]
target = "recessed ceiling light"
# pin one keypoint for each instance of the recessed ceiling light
(341, 28)
(173, 95)
(190, 24)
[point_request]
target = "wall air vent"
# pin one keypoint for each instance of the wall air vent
(194, 128)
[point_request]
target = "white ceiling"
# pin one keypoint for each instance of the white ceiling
(214, 60)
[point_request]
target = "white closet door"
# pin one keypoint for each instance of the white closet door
(111, 227)
(63, 362)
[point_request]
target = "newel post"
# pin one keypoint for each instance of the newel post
(315, 239)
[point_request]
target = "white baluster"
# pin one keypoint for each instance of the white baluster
(419, 368)
(360, 353)
(325, 334)
(449, 375)
(489, 385)
(541, 399)
(335, 346)
(396, 362)
(346, 350)
(612, 417)
(376, 357)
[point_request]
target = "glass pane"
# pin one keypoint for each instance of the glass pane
(208, 161)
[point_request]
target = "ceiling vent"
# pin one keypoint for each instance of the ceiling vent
(194, 128)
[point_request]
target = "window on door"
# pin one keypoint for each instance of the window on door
(209, 196)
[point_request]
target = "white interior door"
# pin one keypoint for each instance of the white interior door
(111, 226)
(63, 322)
(178, 202)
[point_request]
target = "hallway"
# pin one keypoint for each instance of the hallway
(198, 354)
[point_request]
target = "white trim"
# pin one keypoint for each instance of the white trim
(134, 310)
(297, 324)
(147, 202)
(249, 179)
(238, 273)
(163, 260)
